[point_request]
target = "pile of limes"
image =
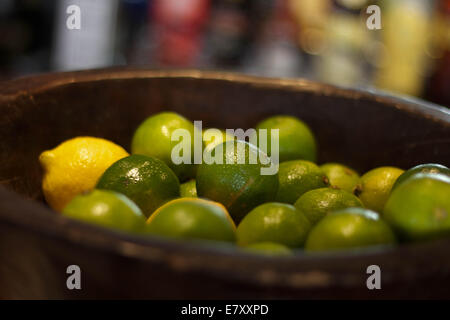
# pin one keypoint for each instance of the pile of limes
(229, 200)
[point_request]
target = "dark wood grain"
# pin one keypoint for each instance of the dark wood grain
(356, 127)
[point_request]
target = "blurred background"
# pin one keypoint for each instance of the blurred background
(324, 40)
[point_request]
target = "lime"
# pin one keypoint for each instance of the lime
(188, 189)
(74, 166)
(147, 181)
(340, 176)
(268, 248)
(374, 187)
(297, 177)
(419, 208)
(212, 137)
(153, 138)
(349, 229)
(315, 204)
(192, 218)
(422, 168)
(296, 141)
(108, 209)
(235, 181)
(274, 222)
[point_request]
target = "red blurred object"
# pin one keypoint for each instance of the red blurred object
(179, 27)
(178, 48)
(187, 15)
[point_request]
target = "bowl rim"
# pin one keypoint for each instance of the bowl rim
(27, 85)
(298, 271)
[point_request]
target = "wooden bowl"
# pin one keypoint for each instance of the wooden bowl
(360, 128)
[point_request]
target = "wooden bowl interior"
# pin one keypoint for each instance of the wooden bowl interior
(360, 130)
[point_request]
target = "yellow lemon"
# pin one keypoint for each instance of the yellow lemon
(74, 167)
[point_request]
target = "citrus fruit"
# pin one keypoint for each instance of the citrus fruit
(153, 138)
(297, 177)
(274, 222)
(296, 141)
(315, 204)
(108, 209)
(349, 229)
(422, 168)
(374, 187)
(188, 189)
(268, 248)
(147, 181)
(419, 208)
(340, 176)
(74, 167)
(212, 137)
(236, 181)
(192, 218)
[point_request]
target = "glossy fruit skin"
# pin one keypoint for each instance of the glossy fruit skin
(108, 209)
(274, 222)
(375, 186)
(74, 166)
(317, 203)
(419, 208)
(147, 181)
(240, 187)
(297, 177)
(192, 218)
(153, 138)
(422, 168)
(351, 228)
(340, 176)
(188, 189)
(268, 248)
(296, 140)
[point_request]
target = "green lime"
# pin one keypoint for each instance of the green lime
(419, 208)
(212, 137)
(237, 178)
(106, 208)
(296, 140)
(374, 187)
(268, 248)
(340, 176)
(349, 228)
(188, 189)
(297, 177)
(422, 168)
(315, 204)
(153, 138)
(274, 222)
(192, 218)
(147, 181)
